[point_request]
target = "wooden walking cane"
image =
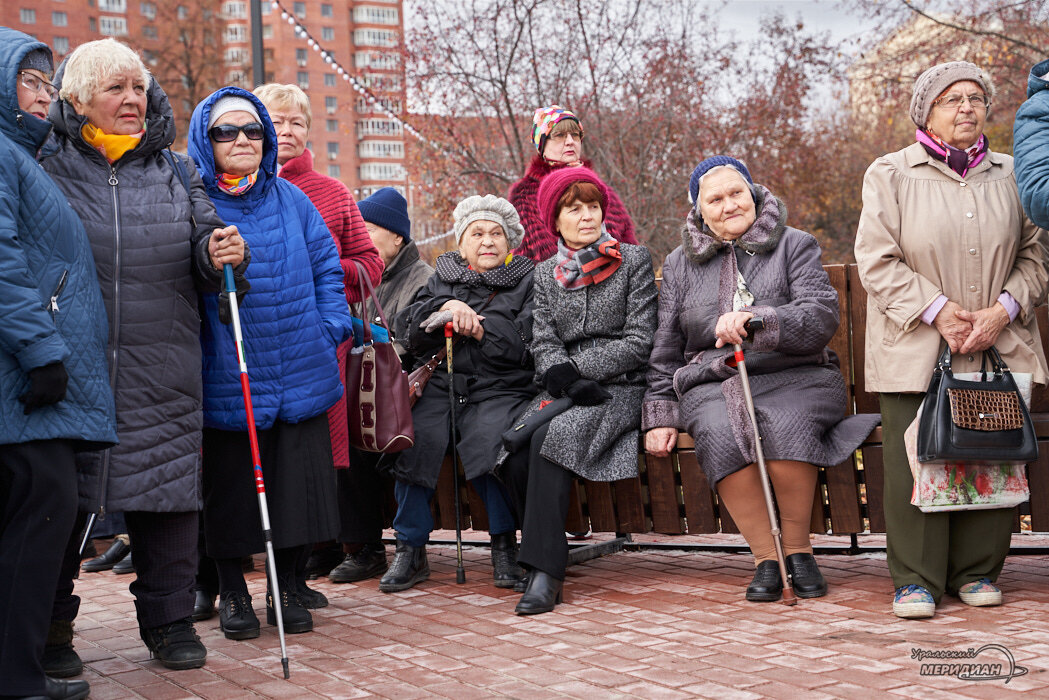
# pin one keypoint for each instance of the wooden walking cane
(756, 324)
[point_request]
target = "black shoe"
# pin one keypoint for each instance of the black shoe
(60, 659)
(116, 552)
(175, 645)
(766, 586)
(236, 618)
(124, 566)
(505, 571)
(409, 567)
(297, 619)
(62, 690)
(203, 605)
(542, 595)
(311, 599)
(323, 561)
(367, 562)
(805, 576)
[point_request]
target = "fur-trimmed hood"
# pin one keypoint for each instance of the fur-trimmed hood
(700, 244)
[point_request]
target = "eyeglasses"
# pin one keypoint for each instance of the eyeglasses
(560, 138)
(35, 84)
(224, 133)
(954, 101)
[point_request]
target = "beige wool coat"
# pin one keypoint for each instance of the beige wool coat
(925, 231)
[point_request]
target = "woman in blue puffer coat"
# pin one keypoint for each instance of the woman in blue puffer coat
(293, 319)
(1031, 147)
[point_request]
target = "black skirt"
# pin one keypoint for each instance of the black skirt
(299, 474)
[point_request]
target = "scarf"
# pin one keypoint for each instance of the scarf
(111, 146)
(452, 268)
(957, 160)
(235, 184)
(595, 263)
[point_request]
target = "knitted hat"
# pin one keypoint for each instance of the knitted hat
(387, 208)
(38, 59)
(556, 183)
(232, 103)
(709, 164)
(543, 123)
(488, 208)
(934, 81)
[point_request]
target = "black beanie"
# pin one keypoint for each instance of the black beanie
(387, 208)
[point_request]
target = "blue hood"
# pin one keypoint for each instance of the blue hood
(21, 127)
(1035, 83)
(200, 145)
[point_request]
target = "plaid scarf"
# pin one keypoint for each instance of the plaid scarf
(957, 160)
(595, 263)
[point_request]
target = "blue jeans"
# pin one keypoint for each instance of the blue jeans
(414, 521)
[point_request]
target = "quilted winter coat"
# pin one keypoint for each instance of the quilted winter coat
(151, 262)
(45, 256)
(295, 314)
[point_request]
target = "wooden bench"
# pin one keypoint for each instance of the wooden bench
(671, 495)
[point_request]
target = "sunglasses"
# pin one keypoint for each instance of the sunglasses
(225, 133)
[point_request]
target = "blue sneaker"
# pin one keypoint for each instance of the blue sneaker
(913, 602)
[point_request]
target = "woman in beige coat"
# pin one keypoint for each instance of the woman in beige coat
(946, 255)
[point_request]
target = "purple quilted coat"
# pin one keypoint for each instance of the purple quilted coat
(799, 393)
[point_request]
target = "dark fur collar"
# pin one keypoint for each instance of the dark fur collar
(540, 168)
(700, 245)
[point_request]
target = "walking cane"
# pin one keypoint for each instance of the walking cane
(756, 324)
(460, 573)
(260, 485)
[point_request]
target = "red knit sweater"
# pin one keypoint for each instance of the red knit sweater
(340, 213)
(539, 243)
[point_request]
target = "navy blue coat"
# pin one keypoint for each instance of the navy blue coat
(1031, 147)
(44, 253)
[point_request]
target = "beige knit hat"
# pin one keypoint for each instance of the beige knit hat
(489, 208)
(934, 81)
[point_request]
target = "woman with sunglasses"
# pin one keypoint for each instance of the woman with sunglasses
(293, 319)
(157, 244)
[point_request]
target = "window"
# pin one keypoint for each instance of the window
(150, 59)
(235, 9)
(59, 19)
(374, 37)
(267, 33)
(378, 127)
(147, 10)
(327, 34)
(333, 150)
(334, 171)
(112, 5)
(181, 12)
(375, 15)
(330, 104)
(377, 60)
(238, 77)
(300, 10)
(237, 56)
(382, 171)
(112, 26)
(326, 10)
(267, 7)
(236, 33)
(303, 79)
(331, 125)
(300, 56)
(329, 80)
(386, 83)
(92, 24)
(61, 44)
(363, 107)
(267, 54)
(149, 31)
(27, 16)
(381, 149)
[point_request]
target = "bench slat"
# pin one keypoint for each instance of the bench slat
(700, 512)
(630, 509)
(843, 498)
(600, 507)
(662, 495)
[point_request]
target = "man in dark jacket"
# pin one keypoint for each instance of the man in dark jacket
(54, 386)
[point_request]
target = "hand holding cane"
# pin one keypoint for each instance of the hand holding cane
(256, 460)
(460, 572)
(752, 325)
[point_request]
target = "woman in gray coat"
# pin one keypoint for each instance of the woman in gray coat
(739, 260)
(595, 313)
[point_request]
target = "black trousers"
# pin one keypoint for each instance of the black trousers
(540, 492)
(361, 491)
(38, 497)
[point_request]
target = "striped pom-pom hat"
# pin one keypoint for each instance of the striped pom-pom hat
(543, 123)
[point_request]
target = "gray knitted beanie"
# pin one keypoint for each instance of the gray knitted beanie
(488, 208)
(934, 81)
(38, 59)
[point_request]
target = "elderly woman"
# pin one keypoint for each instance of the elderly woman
(738, 260)
(293, 319)
(486, 293)
(54, 389)
(558, 136)
(595, 313)
(156, 245)
(947, 257)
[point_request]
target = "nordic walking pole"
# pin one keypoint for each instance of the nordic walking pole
(460, 572)
(260, 485)
(756, 324)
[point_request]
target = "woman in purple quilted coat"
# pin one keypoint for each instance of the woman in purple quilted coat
(739, 260)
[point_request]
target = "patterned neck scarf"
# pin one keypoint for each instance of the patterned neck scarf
(111, 146)
(451, 267)
(957, 160)
(235, 184)
(595, 263)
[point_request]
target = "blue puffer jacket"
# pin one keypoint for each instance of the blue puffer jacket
(1031, 147)
(44, 254)
(295, 314)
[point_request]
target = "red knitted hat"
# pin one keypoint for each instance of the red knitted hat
(555, 184)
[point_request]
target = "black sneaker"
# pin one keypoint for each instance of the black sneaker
(60, 659)
(175, 645)
(322, 561)
(297, 619)
(236, 618)
(311, 599)
(409, 567)
(367, 562)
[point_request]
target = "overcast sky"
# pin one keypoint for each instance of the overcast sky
(745, 15)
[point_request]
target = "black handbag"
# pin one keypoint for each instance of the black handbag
(520, 433)
(975, 422)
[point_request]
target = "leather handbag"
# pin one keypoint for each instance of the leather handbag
(518, 435)
(975, 422)
(378, 413)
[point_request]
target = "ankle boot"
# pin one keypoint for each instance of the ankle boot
(237, 620)
(297, 619)
(805, 576)
(766, 586)
(60, 659)
(176, 644)
(63, 690)
(542, 595)
(409, 567)
(505, 571)
(203, 605)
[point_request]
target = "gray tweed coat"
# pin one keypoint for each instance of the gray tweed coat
(798, 390)
(606, 330)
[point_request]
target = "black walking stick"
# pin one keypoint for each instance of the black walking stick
(756, 324)
(460, 573)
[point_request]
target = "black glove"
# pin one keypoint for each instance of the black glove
(47, 385)
(225, 312)
(559, 377)
(587, 392)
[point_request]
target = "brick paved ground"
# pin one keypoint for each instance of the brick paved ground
(650, 624)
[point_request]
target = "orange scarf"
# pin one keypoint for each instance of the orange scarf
(111, 146)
